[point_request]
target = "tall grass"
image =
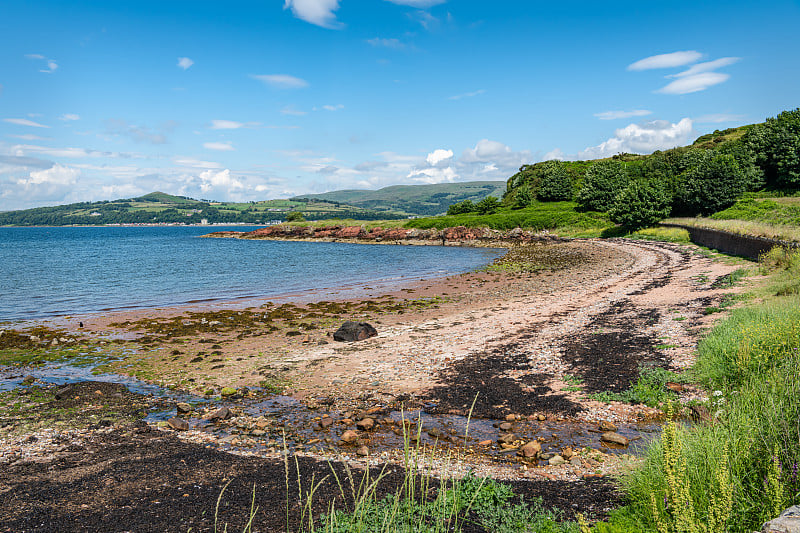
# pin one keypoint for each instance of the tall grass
(742, 469)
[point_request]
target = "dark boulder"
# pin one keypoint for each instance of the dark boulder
(352, 331)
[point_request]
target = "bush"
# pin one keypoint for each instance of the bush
(714, 184)
(295, 216)
(555, 184)
(604, 180)
(642, 204)
(487, 206)
(462, 207)
(776, 146)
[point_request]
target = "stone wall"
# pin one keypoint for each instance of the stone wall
(732, 243)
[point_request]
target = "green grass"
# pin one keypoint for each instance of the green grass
(742, 469)
(649, 389)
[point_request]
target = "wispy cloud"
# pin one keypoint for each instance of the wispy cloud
(29, 137)
(317, 12)
(290, 110)
(117, 126)
(51, 63)
(195, 163)
(614, 115)
(24, 122)
(280, 81)
(717, 118)
(185, 63)
(395, 44)
(67, 117)
(219, 146)
(706, 66)
(466, 95)
(695, 83)
(232, 125)
(421, 4)
(336, 107)
(671, 60)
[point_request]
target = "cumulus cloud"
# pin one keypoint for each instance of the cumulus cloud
(438, 156)
(211, 180)
(221, 147)
(421, 4)
(317, 12)
(433, 175)
(66, 117)
(185, 63)
(281, 81)
(643, 139)
(466, 95)
(55, 175)
(674, 59)
(24, 122)
(614, 115)
(694, 83)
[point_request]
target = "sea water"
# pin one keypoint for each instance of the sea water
(55, 271)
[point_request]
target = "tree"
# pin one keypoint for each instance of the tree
(604, 180)
(462, 207)
(776, 146)
(711, 186)
(641, 204)
(488, 205)
(523, 198)
(295, 216)
(555, 184)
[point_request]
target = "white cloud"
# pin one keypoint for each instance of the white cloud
(195, 163)
(290, 110)
(716, 118)
(24, 122)
(222, 147)
(643, 139)
(232, 125)
(185, 62)
(281, 81)
(66, 117)
(22, 149)
(317, 12)
(695, 83)
(613, 115)
(51, 63)
(34, 56)
(422, 4)
(56, 175)
(674, 59)
(437, 156)
(336, 107)
(706, 66)
(466, 95)
(210, 180)
(433, 175)
(556, 153)
(115, 126)
(395, 44)
(29, 137)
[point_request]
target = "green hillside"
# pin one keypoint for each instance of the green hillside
(420, 200)
(162, 208)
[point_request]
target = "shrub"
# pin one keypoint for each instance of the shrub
(642, 204)
(462, 207)
(295, 216)
(555, 184)
(487, 206)
(604, 180)
(712, 185)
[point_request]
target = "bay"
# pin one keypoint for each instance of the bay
(55, 271)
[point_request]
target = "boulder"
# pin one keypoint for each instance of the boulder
(352, 331)
(508, 438)
(325, 422)
(556, 460)
(362, 451)
(178, 423)
(614, 438)
(183, 407)
(65, 392)
(505, 426)
(787, 522)
(605, 425)
(28, 380)
(349, 437)
(530, 449)
(365, 424)
(220, 414)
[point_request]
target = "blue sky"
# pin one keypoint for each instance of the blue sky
(251, 100)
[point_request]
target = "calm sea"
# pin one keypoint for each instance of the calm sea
(47, 272)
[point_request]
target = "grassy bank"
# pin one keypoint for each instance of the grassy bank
(741, 469)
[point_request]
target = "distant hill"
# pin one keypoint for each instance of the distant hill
(162, 208)
(418, 200)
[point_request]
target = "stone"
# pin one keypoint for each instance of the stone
(65, 392)
(486, 442)
(258, 433)
(541, 418)
(614, 438)
(787, 522)
(511, 418)
(605, 425)
(349, 437)
(530, 449)
(27, 380)
(363, 451)
(325, 422)
(223, 413)
(435, 433)
(556, 460)
(567, 453)
(365, 424)
(505, 426)
(575, 461)
(508, 438)
(183, 407)
(227, 391)
(178, 423)
(352, 331)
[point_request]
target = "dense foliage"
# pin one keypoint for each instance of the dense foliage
(603, 182)
(556, 184)
(642, 204)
